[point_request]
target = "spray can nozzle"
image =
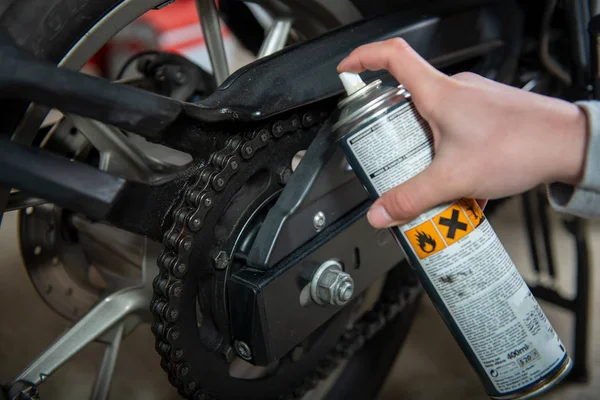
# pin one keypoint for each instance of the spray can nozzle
(352, 82)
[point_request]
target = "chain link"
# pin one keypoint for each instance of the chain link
(188, 218)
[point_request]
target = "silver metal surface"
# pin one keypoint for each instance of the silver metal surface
(128, 306)
(221, 260)
(117, 154)
(319, 220)
(20, 200)
(243, 350)
(101, 388)
(331, 285)
(209, 19)
(57, 267)
(276, 37)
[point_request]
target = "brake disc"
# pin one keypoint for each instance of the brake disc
(70, 261)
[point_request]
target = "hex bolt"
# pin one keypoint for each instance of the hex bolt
(331, 285)
(283, 175)
(319, 220)
(243, 350)
(221, 260)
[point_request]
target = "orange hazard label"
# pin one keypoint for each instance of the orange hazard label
(453, 224)
(471, 208)
(425, 239)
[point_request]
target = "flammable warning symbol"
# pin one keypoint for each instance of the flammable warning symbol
(425, 239)
(453, 223)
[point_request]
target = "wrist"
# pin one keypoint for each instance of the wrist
(573, 143)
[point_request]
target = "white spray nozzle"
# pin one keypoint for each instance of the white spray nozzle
(352, 82)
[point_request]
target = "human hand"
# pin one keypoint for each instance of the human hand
(491, 140)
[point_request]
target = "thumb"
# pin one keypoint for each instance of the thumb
(407, 201)
(396, 56)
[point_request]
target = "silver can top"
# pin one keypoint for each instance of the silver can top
(363, 99)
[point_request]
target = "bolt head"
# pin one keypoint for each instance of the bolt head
(331, 285)
(344, 292)
(319, 220)
(284, 175)
(243, 350)
(221, 260)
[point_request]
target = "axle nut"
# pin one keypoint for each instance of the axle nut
(331, 285)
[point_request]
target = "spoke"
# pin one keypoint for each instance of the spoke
(211, 28)
(107, 368)
(113, 144)
(276, 38)
(108, 314)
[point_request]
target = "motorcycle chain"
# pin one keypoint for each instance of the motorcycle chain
(173, 263)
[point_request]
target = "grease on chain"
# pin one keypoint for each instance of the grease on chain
(173, 263)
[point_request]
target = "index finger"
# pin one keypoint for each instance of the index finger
(396, 56)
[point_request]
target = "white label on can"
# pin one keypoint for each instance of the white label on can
(463, 258)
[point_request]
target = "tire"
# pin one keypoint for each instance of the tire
(48, 29)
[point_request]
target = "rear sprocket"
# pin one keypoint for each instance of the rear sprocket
(212, 225)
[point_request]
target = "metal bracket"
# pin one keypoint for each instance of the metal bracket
(319, 184)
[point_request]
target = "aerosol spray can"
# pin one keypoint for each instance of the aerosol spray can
(454, 251)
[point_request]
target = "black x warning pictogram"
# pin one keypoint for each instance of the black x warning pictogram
(453, 224)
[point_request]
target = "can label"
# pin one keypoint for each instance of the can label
(465, 264)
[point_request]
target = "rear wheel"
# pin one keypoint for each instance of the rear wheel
(54, 30)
